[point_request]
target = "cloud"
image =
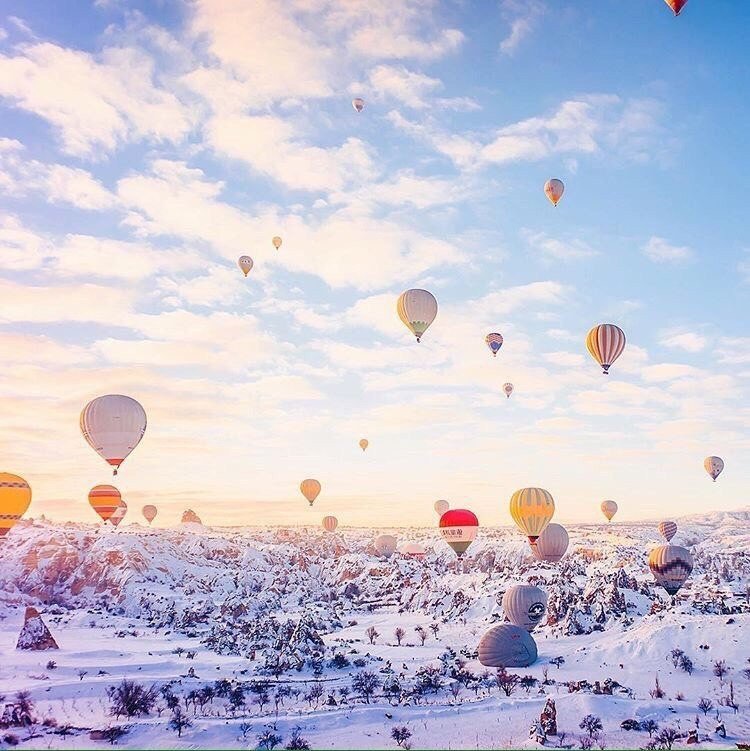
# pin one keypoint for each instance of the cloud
(659, 250)
(734, 350)
(552, 248)
(689, 341)
(523, 18)
(94, 103)
(409, 87)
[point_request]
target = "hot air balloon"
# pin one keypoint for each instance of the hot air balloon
(676, 5)
(605, 342)
(310, 489)
(507, 646)
(714, 466)
(119, 514)
(494, 342)
(149, 512)
(113, 426)
(671, 565)
(551, 544)
(458, 528)
(246, 264)
(277, 242)
(417, 309)
(413, 550)
(441, 507)
(105, 499)
(524, 605)
(358, 103)
(554, 190)
(532, 509)
(364, 443)
(385, 545)
(508, 389)
(667, 530)
(330, 523)
(15, 497)
(609, 509)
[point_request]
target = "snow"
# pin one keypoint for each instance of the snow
(277, 605)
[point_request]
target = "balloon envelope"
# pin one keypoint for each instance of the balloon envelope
(507, 646)
(532, 509)
(385, 545)
(113, 426)
(671, 565)
(104, 499)
(676, 5)
(119, 514)
(714, 465)
(605, 342)
(149, 512)
(609, 509)
(246, 264)
(525, 605)
(494, 342)
(458, 528)
(417, 309)
(667, 530)
(277, 242)
(364, 443)
(358, 103)
(508, 389)
(554, 190)
(413, 550)
(15, 498)
(330, 523)
(310, 489)
(551, 544)
(441, 507)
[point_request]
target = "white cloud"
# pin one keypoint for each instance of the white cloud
(409, 87)
(659, 250)
(552, 248)
(523, 17)
(734, 350)
(689, 341)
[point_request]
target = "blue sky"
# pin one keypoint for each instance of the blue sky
(144, 147)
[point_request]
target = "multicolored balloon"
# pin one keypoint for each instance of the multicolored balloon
(363, 444)
(330, 523)
(15, 498)
(676, 5)
(105, 499)
(246, 264)
(494, 342)
(605, 342)
(508, 389)
(458, 528)
(714, 465)
(551, 544)
(524, 605)
(532, 509)
(149, 512)
(554, 190)
(441, 507)
(113, 426)
(310, 489)
(358, 103)
(671, 565)
(119, 514)
(667, 530)
(609, 509)
(417, 309)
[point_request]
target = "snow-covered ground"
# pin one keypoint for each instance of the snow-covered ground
(281, 615)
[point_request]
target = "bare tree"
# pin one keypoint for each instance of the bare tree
(435, 628)
(296, 742)
(269, 740)
(372, 634)
(705, 705)
(401, 734)
(455, 689)
(650, 726)
(591, 724)
(179, 721)
(506, 682)
(657, 692)
(421, 633)
(720, 670)
(399, 633)
(366, 684)
(666, 737)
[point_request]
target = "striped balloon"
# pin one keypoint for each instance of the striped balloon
(417, 309)
(119, 514)
(714, 465)
(104, 499)
(310, 489)
(532, 509)
(551, 544)
(605, 342)
(671, 565)
(15, 497)
(330, 523)
(667, 530)
(494, 342)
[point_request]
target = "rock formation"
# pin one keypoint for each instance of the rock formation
(35, 635)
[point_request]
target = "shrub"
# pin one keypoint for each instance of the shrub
(401, 734)
(131, 699)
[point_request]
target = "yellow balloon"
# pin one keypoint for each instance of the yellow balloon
(364, 443)
(310, 489)
(15, 497)
(532, 509)
(276, 242)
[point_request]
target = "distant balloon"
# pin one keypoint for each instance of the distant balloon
(104, 499)
(609, 509)
(525, 605)
(113, 426)
(330, 523)
(310, 489)
(15, 498)
(605, 342)
(551, 544)
(532, 509)
(246, 264)
(667, 530)
(364, 443)
(676, 5)
(508, 389)
(671, 565)
(714, 465)
(494, 342)
(149, 512)
(119, 514)
(413, 550)
(441, 507)
(417, 309)
(277, 242)
(507, 646)
(385, 545)
(358, 103)
(458, 528)
(554, 190)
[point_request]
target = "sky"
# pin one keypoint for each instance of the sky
(145, 146)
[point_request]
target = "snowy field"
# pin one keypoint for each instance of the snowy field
(258, 632)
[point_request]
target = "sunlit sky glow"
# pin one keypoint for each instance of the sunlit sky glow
(145, 146)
